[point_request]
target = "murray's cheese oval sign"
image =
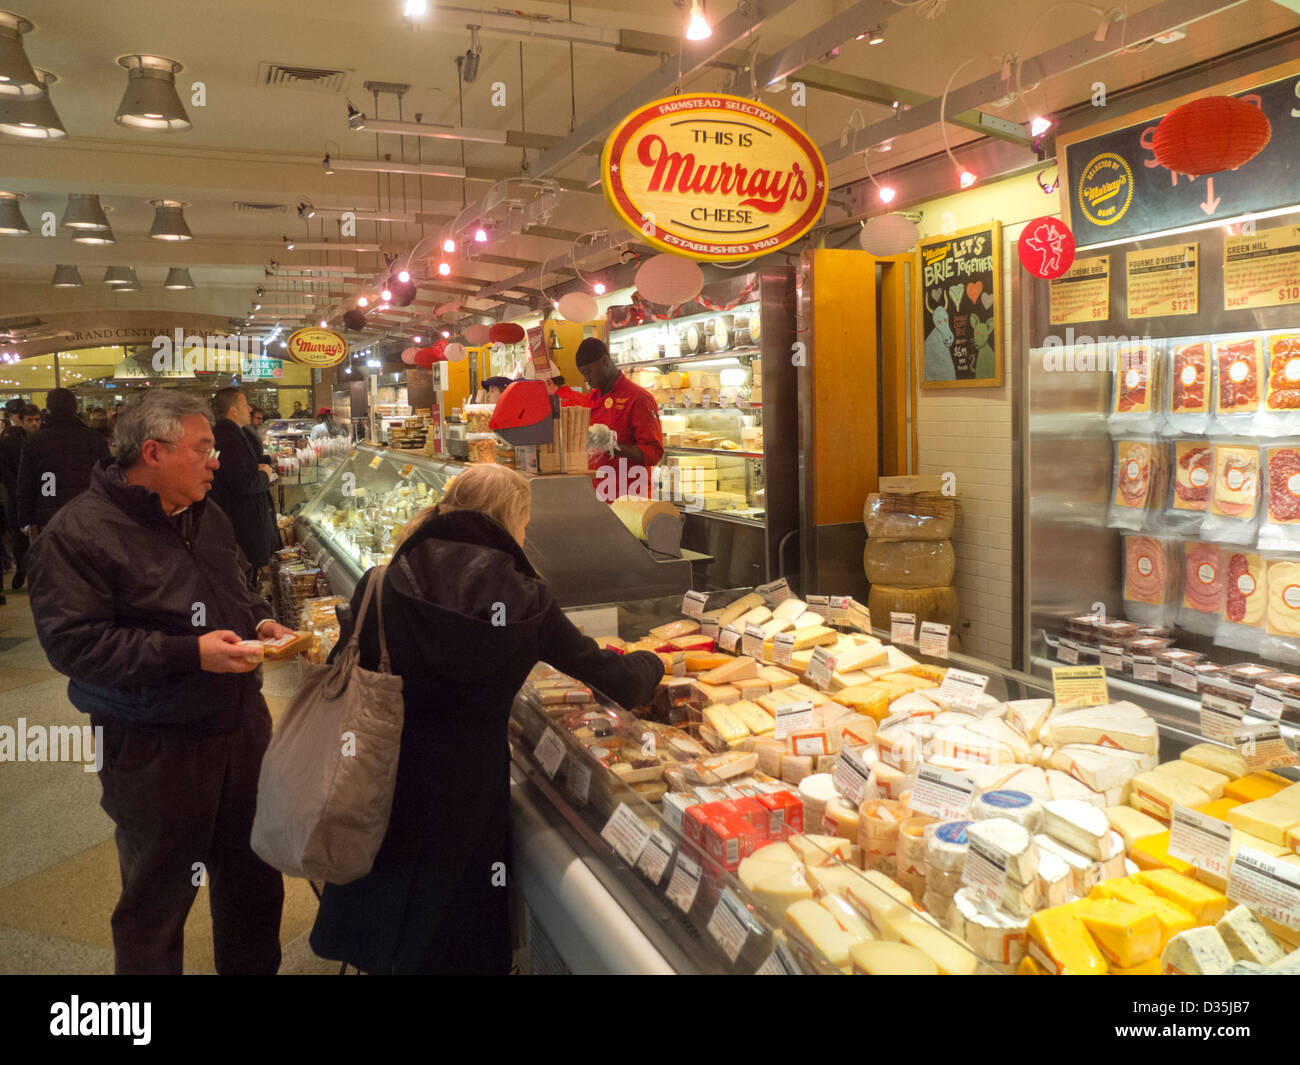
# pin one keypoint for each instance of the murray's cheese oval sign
(714, 177)
(317, 347)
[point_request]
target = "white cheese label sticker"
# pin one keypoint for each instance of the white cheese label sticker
(1112, 658)
(1183, 678)
(821, 667)
(684, 884)
(963, 688)
(626, 833)
(790, 717)
(654, 859)
(839, 610)
(579, 776)
(779, 963)
(1220, 717)
(1067, 651)
(934, 639)
(1144, 668)
(902, 629)
(729, 925)
(693, 604)
(549, 753)
(938, 793)
(729, 637)
(1267, 885)
(1263, 747)
(1204, 841)
(751, 644)
(774, 593)
(709, 629)
(986, 869)
(852, 777)
(1266, 704)
(783, 648)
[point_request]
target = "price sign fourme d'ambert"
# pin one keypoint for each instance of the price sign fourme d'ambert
(713, 177)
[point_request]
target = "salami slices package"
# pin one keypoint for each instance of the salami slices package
(1281, 407)
(1204, 581)
(1233, 516)
(1188, 408)
(1151, 577)
(1279, 527)
(1239, 384)
(1136, 393)
(1245, 598)
(1189, 486)
(1141, 472)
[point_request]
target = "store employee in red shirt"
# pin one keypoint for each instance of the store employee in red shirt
(631, 412)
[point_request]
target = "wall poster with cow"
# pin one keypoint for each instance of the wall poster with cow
(959, 300)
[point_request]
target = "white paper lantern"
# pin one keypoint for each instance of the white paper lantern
(408, 356)
(669, 280)
(456, 353)
(889, 234)
(476, 335)
(579, 307)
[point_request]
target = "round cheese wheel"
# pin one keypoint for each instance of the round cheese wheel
(1019, 806)
(946, 845)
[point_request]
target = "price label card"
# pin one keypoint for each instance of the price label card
(1220, 717)
(751, 644)
(1079, 686)
(774, 593)
(783, 648)
(1204, 841)
(941, 794)
(579, 781)
(549, 753)
(1067, 651)
(855, 616)
(1144, 668)
(902, 629)
(790, 717)
(709, 629)
(729, 637)
(1184, 678)
(986, 869)
(1112, 658)
(405, 471)
(821, 668)
(693, 604)
(729, 925)
(1263, 747)
(626, 833)
(376, 461)
(654, 859)
(820, 604)
(852, 777)
(779, 963)
(839, 609)
(1267, 885)
(1266, 704)
(684, 884)
(934, 639)
(963, 688)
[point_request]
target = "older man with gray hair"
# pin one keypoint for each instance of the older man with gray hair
(139, 597)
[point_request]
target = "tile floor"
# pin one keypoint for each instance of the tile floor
(59, 877)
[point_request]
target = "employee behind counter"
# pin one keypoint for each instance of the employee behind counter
(630, 411)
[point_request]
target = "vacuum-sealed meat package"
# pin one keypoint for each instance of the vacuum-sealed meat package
(1150, 579)
(1190, 375)
(1282, 388)
(1238, 372)
(1282, 616)
(1135, 395)
(1189, 486)
(1245, 597)
(1279, 527)
(1204, 578)
(1233, 516)
(1140, 472)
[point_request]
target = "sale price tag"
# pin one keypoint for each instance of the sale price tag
(902, 629)
(1204, 841)
(1080, 686)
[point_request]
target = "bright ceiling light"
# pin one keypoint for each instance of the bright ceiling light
(66, 277)
(32, 117)
(480, 235)
(415, 8)
(598, 288)
(967, 179)
(117, 275)
(449, 246)
(169, 221)
(84, 212)
(698, 28)
(362, 301)
(386, 295)
(1038, 126)
(95, 236)
(886, 194)
(178, 277)
(404, 276)
(12, 222)
(444, 269)
(288, 242)
(151, 101)
(17, 78)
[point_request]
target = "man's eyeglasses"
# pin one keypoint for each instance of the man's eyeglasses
(209, 453)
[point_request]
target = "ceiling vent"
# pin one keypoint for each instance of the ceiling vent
(249, 205)
(307, 79)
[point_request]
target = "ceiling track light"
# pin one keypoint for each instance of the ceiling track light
(356, 119)
(178, 278)
(306, 210)
(32, 117)
(169, 221)
(17, 77)
(467, 64)
(12, 222)
(66, 277)
(329, 168)
(288, 243)
(150, 101)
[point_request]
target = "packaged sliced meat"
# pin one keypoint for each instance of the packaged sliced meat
(1245, 593)
(1233, 516)
(1192, 474)
(1146, 570)
(1283, 391)
(1279, 528)
(1203, 578)
(1190, 379)
(1141, 472)
(1238, 371)
(1134, 371)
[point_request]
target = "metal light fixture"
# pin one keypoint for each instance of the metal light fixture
(178, 277)
(119, 275)
(356, 119)
(134, 286)
(84, 212)
(17, 78)
(66, 277)
(306, 210)
(151, 101)
(169, 221)
(95, 236)
(32, 117)
(12, 222)
(329, 169)
(288, 243)
(467, 64)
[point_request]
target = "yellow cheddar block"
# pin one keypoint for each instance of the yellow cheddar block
(909, 681)
(1127, 933)
(870, 699)
(1172, 917)
(1255, 786)
(1269, 819)
(1218, 809)
(1150, 967)
(1029, 967)
(727, 725)
(1204, 903)
(1152, 852)
(1060, 942)
(703, 661)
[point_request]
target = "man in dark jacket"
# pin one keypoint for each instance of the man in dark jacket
(139, 598)
(56, 463)
(242, 486)
(24, 419)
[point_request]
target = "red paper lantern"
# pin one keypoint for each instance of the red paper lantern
(425, 358)
(506, 333)
(1046, 247)
(1209, 135)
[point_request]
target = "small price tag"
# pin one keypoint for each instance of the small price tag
(986, 869)
(405, 471)
(693, 604)
(855, 616)
(1067, 651)
(1267, 885)
(684, 884)
(1112, 658)
(1184, 678)
(821, 667)
(962, 688)
(902, 629)
(852, 778)
(626, 833)
(1079, 686)
(710, 630)
(1144, 668)
(1204, 841)
(751, 644)
(1266, 704)
(783, 648)
(1263, 747)
(779, 963)
(729, 637)
(579, 781)
(376, 462)
(1220, 717)
(819, 604)
(934, 639)
(790, 717)
(729, 925)
(549, 753)
(775, 592)
(654, 859)
(938, 793)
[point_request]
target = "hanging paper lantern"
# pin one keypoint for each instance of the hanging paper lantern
(477, 335)
(354, 320)
(669, 280)
(889, 234)
(1211, 134)
(408, 356)
(1046, 247)
(506, 333)
(439, 349)
(425, 358)
(579, 307)
(456, 353)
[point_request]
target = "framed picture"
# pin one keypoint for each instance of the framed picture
(959, 301)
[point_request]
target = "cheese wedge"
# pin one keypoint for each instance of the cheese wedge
(776, 677)
(1209, 781)
(868, 699)
(754, 718)
(1197, 952)
(1012, 839)
(820, 929)
(878, 958)
(698, 642)
(1063, 786)
(1220, 759)
(741, 606)
(1128, 934)
(1150, 967)
(685, 627)
(789, 609)
(1100, 768)
(734, 670)
(1081, 827)
(1120, 725)
(881, 900)
(809, 618)
(775, 884)
(1157, 793)
(846, 917)
(1269, 819)
(833, 879)
(1026, 716)
(1152, 852)
(859, 656)
(703, 661)
(1172, 917)
(952, 957)
(1059, 941)
(751, 688)
(804, 640)
(757, 616)
(774, 625)
(716, 693)
(1202, 902)
(1239, 839)
(1218, 809)
(1084, 872)
(1030, 967)
(1246, 937)
(821, 850)
(1254, 786)
(726, 724)
(1132, 825)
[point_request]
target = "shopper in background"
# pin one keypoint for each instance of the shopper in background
(241, 485)
(324, 426)
(25, 422)
(139, 598)
(493, 387)
(56, 463)
(631, 412)
(254, 428)
(298, 412)
(466, 617)
(99, 422)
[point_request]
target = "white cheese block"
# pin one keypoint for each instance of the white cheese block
(1026, 716)
(1246, 937)
(877, 958)
(821, 850)
(1011, 778)
(1120, 725)
(1019, 806)
(754, 717)
(789, 609)
(1100, 768)
(775, 884)
(1063, 786)
(831, 879)
(1157, 793)
(914, 704)
(1219, 759)
(740, 607)
(1196, 952)
(945, 845)
(959, 741)
(775, 625)
(899, 659)
(1131, 824)
(1209, 781)
(954, 717)
(1084, 872)
(756, 616)
(821, 929)
(777, 852)
(726, 724)
(809, 618)
(1020, 900)
(881, 900)
(1013, 840)
(998, 730)
(1081, 827)
(1054, 880)
(846, 917)
(742, 668)
(996, 937)
(860, 656)
(951, 956)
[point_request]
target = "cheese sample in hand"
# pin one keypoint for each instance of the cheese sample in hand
(1198, 952)
(1060, 942)
(1202, 902)
(1247, 939)
(1081, 827)
(879, 958)
(1219, 759)
(1128, 934)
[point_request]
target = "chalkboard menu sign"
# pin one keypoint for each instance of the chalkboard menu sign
(1115, 189)
(959, 277)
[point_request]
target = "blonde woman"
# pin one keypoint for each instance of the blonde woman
(466, 617)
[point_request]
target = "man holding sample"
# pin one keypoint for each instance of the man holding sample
(630, 411)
